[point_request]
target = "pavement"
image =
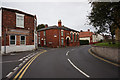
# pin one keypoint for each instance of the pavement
(11, 61)
(69, 62)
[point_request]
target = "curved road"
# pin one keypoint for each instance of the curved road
(70, 62)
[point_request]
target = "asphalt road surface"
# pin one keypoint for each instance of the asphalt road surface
(69, 62)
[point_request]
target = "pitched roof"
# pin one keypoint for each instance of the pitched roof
(56, 27)
(18, 11)
(85, 34)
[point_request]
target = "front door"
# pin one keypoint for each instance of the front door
(42, 43)
(67, 41)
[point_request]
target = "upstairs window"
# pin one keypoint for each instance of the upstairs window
(22, 41)
(12, 39)
(61, 32)
(44, 33)
(39, 33)
(71, 37)
(19, 20)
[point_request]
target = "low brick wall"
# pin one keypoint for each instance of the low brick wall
(112, 54)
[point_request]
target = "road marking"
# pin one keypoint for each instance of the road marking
(103, 59)
(20, 59)
(24, 68)
(9, 74)
(20, 64)
(9, 61)
(15, 68)
(72, 49)
(28, 66)
(78, 69)
(67, 53)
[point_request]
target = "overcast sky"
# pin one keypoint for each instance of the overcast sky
(73, 14)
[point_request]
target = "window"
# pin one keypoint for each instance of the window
(39, 33)
(74, 37)
(44, 33)
(77, 37)
(39, 40)
(44, 42)
(19, 20)
(22, 41)
(62, 41)
(12, 39)
(71, 37)
(62, 33)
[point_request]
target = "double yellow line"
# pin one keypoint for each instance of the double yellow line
(25, 67)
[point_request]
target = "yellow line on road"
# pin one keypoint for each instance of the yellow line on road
(103, 59)
(27, 64)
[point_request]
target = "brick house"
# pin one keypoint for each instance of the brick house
(90, 36)
(57, 36)
(18, 30)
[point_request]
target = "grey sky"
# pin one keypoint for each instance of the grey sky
(72, 14)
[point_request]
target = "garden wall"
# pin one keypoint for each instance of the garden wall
(112, 54)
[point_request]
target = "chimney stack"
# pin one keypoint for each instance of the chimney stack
(88, 30)
(46, 26)
(59, 23)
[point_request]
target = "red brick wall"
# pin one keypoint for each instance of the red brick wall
(55, 40)
(9, 22)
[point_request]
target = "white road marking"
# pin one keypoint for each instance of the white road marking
(72, 49)
(9, 74)
(9, 61)
(20, 59)
(20, 64)
(15, 68)
(67, 53)
(78, 69)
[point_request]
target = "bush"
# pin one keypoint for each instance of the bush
(84, 42)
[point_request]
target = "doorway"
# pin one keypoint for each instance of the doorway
(67, 41)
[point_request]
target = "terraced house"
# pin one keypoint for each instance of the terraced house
(57, 36)
(18, 30)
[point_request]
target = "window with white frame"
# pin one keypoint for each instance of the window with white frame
(19, 20)
(62, 41)
(12, 40)
(44, 42)
(61, 32)
(39, 40)
(44, 33)
(22, 41)
(74, 37)
(77, 37)
(39, 33)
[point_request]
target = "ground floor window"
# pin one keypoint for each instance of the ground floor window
(62, 41)
(44, 42)
(39, 40)
(22, 41)
(12, 40)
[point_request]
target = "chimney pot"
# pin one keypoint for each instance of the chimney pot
(46, 26)
(59, 23)
(88, 30)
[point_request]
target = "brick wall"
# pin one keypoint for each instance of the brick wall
(9, 22)
(52, 38)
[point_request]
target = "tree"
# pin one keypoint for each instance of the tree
(40, 26)
(105, 16)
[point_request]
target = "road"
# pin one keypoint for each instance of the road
(70, 62)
